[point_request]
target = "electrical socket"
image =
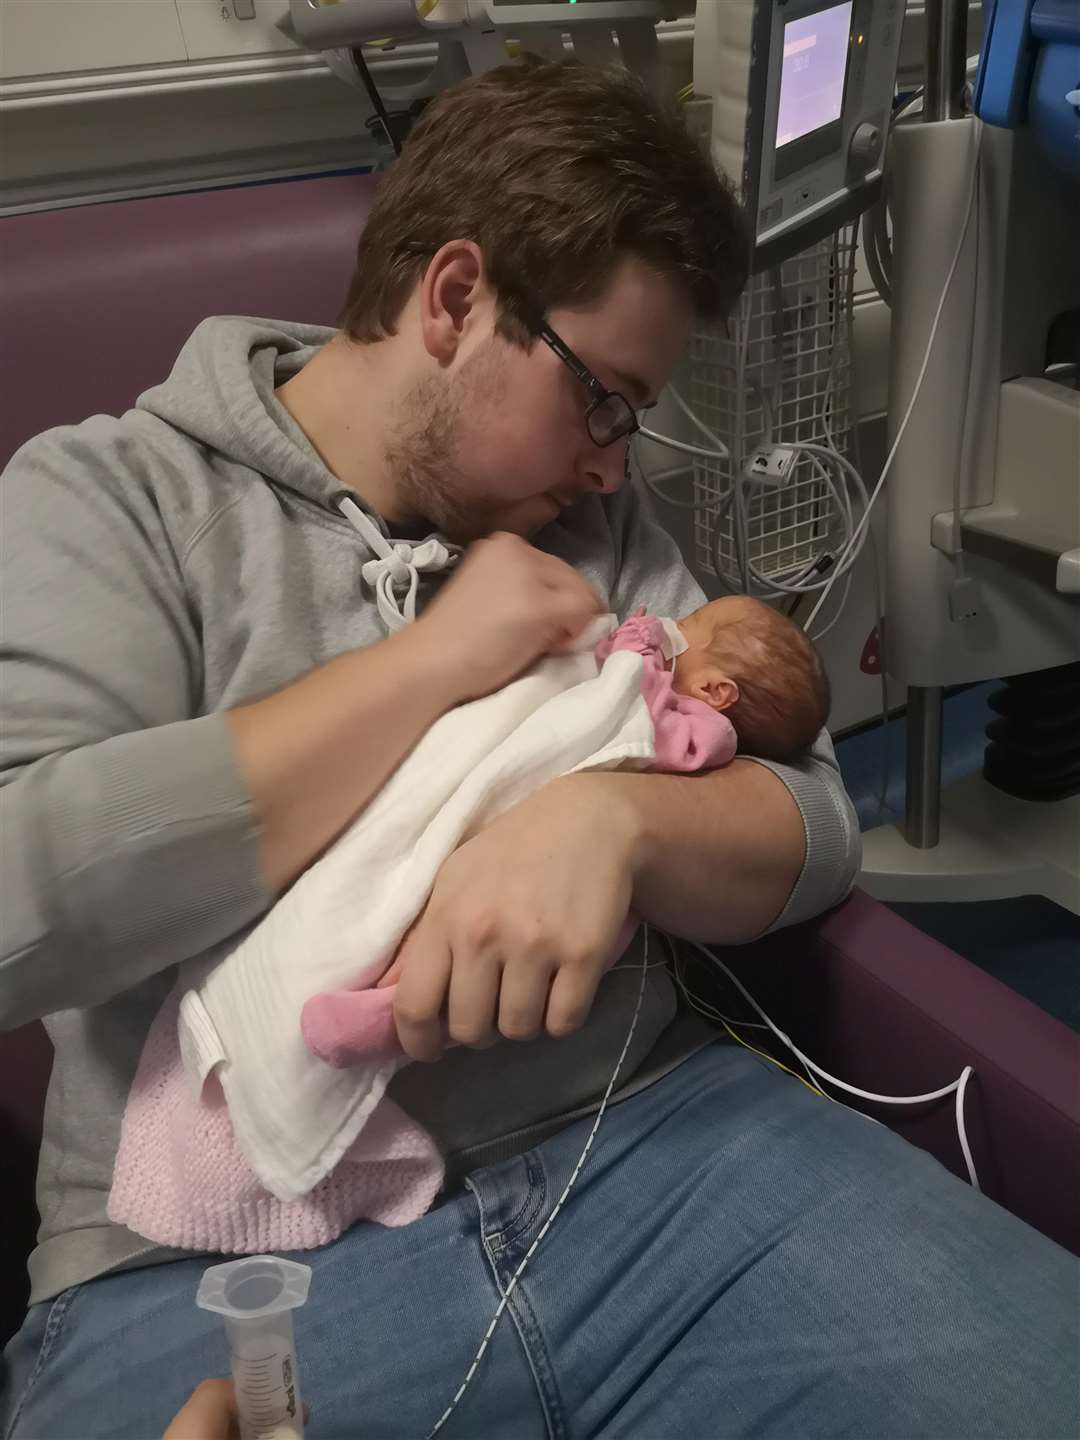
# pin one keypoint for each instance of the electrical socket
(771, 465)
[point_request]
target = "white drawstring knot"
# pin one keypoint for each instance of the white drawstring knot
(397, 565)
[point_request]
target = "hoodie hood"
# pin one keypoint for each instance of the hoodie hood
(220, 393)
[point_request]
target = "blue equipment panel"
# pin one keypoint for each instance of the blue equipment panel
(1030, 74)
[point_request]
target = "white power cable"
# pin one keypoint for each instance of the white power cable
(512, 1286)
(957, 1087)
(902, 430)
(654, 483)
(683, 446)
(841, 607)
(803, 584)
(723, 452)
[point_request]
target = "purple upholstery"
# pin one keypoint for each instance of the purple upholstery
(96, 301)
(881, 1005)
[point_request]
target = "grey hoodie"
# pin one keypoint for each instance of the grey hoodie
(157, 570)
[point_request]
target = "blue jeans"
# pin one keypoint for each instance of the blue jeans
(738, 1258)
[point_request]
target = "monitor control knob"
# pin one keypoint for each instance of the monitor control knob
(865, 146)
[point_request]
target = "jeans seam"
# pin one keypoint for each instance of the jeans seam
(516, 1233)
(539, 1360)
(530, 1207)
(529, 1336)
(53, 1326)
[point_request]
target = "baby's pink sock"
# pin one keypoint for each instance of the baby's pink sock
(343, 1026)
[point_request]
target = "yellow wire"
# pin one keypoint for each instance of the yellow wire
(773, 1061)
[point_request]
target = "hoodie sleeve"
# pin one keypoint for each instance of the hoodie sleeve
(652, 573)
(127, 839)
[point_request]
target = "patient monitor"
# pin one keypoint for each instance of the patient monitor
(801, 92)
(793, 96)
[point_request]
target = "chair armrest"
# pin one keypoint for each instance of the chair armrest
(884, 1007)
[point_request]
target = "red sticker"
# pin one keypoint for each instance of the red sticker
(870, 663)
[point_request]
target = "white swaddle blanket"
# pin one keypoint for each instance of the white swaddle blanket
(341, 923)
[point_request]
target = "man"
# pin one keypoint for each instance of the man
(209, 675)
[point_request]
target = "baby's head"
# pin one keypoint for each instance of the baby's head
(748, 660)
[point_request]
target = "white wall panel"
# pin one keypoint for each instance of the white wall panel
(216, 28)
(56, 37)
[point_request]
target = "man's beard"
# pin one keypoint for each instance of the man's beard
(423, 454)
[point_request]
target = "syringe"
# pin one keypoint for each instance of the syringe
(256, 1295)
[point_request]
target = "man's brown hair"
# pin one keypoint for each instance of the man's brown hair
(556, 171)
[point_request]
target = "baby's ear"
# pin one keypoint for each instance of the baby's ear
(714, 687)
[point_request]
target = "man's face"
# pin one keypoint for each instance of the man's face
(502, 442)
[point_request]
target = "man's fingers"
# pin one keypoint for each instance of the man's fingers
(523, 998)
(421, 993)
(474, 999)
(572, 606)
(210, 1414)
(571, 998)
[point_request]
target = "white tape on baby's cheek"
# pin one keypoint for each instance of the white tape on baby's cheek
(675, 642)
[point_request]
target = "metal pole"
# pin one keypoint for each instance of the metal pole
(946, 59)
(943, 99)
(922, 797)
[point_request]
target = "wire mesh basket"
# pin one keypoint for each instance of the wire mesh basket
(781, 372)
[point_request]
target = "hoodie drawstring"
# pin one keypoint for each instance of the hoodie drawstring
(397, 564)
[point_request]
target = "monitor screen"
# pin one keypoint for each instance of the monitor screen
(813, 72)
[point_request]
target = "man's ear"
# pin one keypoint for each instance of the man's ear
(453, 289)
(714, 687)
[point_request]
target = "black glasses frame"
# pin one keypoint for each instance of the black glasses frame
(609, 416)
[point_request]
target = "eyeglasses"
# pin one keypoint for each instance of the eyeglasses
(609, 416)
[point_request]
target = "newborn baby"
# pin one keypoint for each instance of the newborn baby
(297, 1150)
(733, 675)
(743, 659)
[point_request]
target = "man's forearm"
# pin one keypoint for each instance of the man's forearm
(315, 753)
(716, 856)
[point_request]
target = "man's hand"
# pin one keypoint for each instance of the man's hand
(313, 755)
(520, 925)
(507, 605)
